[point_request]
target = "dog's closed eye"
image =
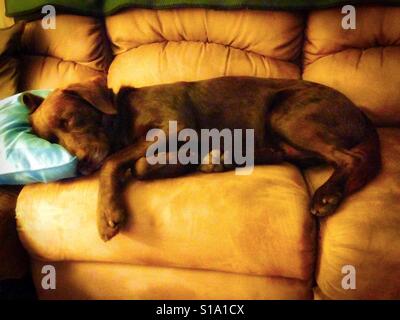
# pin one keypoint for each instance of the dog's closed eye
(70, 123)
(63, 124)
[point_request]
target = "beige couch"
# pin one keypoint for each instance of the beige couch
(221, 236)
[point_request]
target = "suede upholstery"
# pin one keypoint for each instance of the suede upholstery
(77, 49)
(368, 55)
(364, 233)
(164, 46)
(84, 280)
(220, 235)
(264, 231)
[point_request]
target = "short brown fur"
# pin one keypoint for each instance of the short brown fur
(294, 120)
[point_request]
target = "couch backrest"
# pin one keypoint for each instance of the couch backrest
(363, 63)
(154, 47)
(141, 47)
(77, 49)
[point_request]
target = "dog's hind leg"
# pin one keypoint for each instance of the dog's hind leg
(328, 197)
(354, 168)
(334, 130)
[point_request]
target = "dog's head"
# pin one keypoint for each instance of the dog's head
(76, 117)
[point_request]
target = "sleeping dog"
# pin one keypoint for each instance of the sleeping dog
(293, 120)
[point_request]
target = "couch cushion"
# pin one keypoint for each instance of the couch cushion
(49, 73)
(78, 48)
(257, 224)
(363, 63)
(364, 233)
(159, 46)
(84, 280)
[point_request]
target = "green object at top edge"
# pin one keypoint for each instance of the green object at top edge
(18, 8)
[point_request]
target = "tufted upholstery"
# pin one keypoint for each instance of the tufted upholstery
(364, 64)
(155, 47)
(174, 223)
(75, 50)
(84, 280)
(253, 239)
(368, 55)
(172, 229)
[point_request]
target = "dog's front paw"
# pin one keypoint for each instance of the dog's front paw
(325, 202)
(210, 168)
(110, 218)
(212, 162)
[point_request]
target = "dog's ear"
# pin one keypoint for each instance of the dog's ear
(96, 93)
(32, 101)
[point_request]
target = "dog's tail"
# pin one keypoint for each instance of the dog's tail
(368, 154)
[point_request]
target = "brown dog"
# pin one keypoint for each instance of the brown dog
(293, 120)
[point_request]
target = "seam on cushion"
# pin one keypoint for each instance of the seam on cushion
(228, 57)
(360, 55)
(180, 267)
(364, 49)
(315, 230)
(343, 50)
(103, 51)
(106, 45)
(103, 47)
(247, 52)
(21, 82)
(307, 182)
(207, 42)
(42, 259)
(267, 58)
(81, 63)
(61, 60)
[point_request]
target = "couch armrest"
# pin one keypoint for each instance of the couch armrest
(14, 261)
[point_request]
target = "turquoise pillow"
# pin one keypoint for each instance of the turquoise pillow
(24, 157)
